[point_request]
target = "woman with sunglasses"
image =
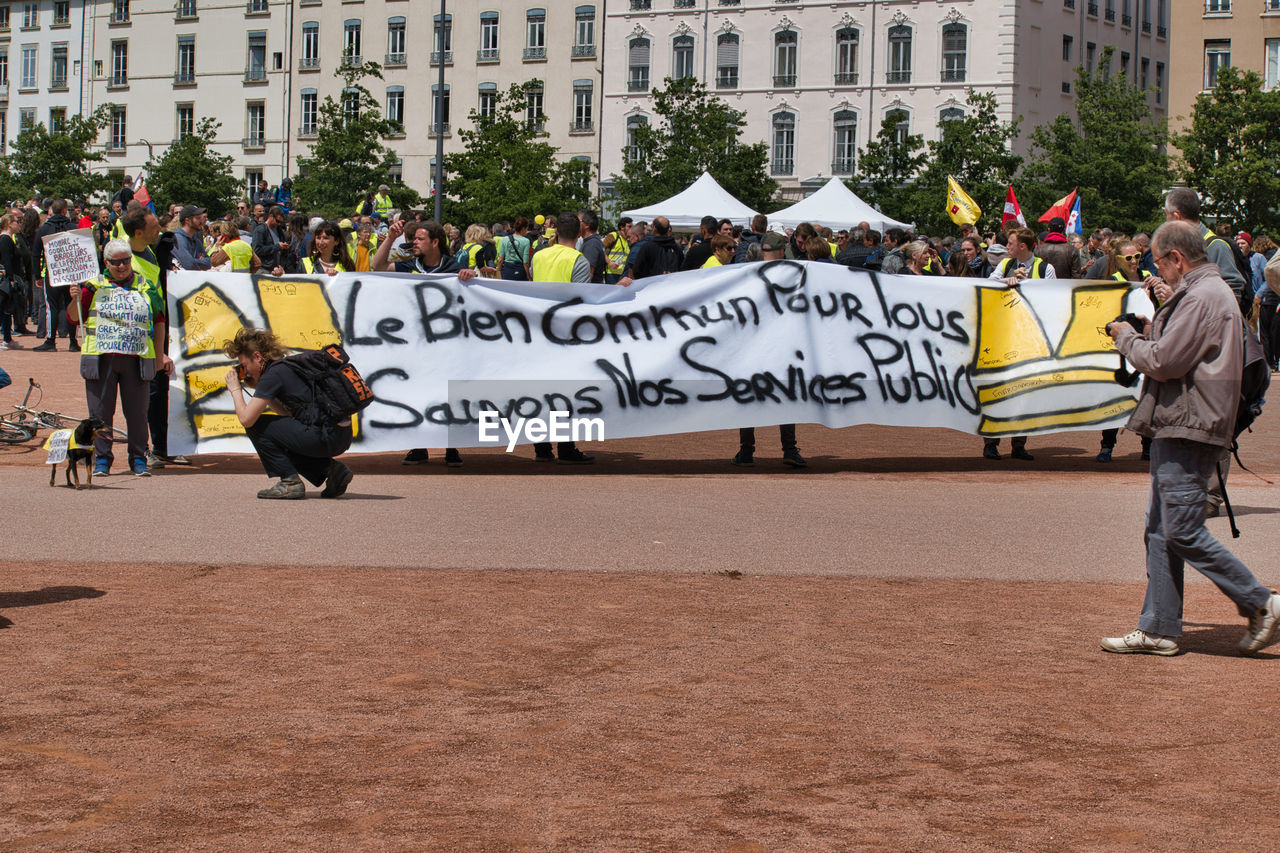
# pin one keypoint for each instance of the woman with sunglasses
(1122, 258)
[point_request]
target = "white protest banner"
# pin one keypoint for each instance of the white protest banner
(741, 345)
(122, 321)
(70, 257)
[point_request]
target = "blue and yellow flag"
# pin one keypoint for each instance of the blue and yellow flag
(962, 209)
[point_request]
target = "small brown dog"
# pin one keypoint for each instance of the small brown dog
(79, 449)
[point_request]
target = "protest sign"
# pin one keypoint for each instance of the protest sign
(741, 345)
(70, 257)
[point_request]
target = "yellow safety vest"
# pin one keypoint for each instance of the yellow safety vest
(616, 262)
(555, 263)
(382, 205)
(145, 294)
(1037, 266)
(834, 249)
(117, 229)
(712, 261)
(310, 266)
(473, 251)
(1119, 276)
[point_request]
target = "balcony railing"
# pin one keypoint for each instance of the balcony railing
(394, 59)
(487, 54)
(581, 126)
(638, 84)
(308, 62)
(352, 60)
(784, 80)
(118, 17)
(438, 129)
(583, 50)
(1126, 21)
(532, 53)
(254, 142)
(308, 132)
(255, 75)
(1146, 26)
(1109, 15)
(1161, 31)
(727, 79)
(257, 7)
(115, 145)
(4, 92)
(730, 2)
(782, 167)
(184, 78)
(119, 80)
(1068, 4)
(846, 78)
(953, 75)
(898, 77)
(436, 56)
(1093, 9)
(684, 4)
(843, 167)
(640, 5)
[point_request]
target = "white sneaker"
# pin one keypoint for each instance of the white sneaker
(1141, 643)
(1262, 626)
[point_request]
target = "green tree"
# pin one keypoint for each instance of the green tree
(887, 165)
(698, 132)
(1229, 152)
(348, 158)
(189, 172)
(1113, 149)
(507, 169)
(978, 151)
(57, 164)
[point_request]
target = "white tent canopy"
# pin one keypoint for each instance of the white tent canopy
(835, 206)
(685, 210)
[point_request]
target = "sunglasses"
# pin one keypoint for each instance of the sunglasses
(118, 262)
(1134, 257)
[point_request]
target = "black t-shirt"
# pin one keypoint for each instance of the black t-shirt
(448, 263)
(279, 382)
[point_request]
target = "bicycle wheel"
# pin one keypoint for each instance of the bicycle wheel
(54, 420)
(14, 434)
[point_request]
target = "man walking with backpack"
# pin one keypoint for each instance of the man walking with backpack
(657, 255)
(1192, 356)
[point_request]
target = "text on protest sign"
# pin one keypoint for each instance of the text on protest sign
(70, 257)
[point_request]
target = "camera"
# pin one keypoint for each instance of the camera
(1132, 319)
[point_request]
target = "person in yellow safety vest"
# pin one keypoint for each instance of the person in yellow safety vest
(365, 243)
(1123, 257)
(1021, 264)
(329, 253)
(478, 253)
(124, 342)
(721, 251)
(562, 262)
(617, 249)
(232, 247)
(382, 202)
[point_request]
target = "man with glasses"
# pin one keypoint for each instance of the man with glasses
(1191, 355)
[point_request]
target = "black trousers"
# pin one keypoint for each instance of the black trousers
(288, 447)
(747, 437)
(1269, 332)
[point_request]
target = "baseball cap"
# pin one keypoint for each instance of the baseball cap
(1057, 225)
(384, 188)
(188, 211)
(345, 224)
(773, 242)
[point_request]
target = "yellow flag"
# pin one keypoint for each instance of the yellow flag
(962, 209)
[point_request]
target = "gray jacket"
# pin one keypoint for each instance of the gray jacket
(1191, 362)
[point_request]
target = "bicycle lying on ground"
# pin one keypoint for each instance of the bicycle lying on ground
(24, 421)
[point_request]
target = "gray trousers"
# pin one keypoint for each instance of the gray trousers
(122, 374)
(1176, 535)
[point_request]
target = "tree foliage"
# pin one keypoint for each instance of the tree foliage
(978, 151)
(886, 165)
(56, 163)
(1113, 149)
(1230, 150)
(507, 169)
(190, 172)
(348, 158)
(697, 132)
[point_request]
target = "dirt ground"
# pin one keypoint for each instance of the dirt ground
(820, 660)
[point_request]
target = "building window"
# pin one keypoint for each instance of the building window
(1090, 54)
(950, 114)
(252, 177)
(1217, 54)
(845, 148)
(1159, 82)
(57, 119)
(1146, 16)
(439, 108)
(30, 16)
(634, 123)
(638, 65)
(29, 67)
(351, 54)
(1126, 13)
(784, 144)
(1109, 14)
(681, 57)
(584, 31)
(1124, 63)
(120, 63)
(350, 105)
(26, 118)
(256, 125)
(442, 39)
(4, 21)
(256, 66)
(119, 12)
(258, 7)
(488, 37)
(583, 106)
(955, 38)
(186, 60)
(186, 116)
(533, 115)
(62, 14)
(395, 105)
(119, 128)
(535, 45)
(310, 45)
(1067, 41)
(58, 68)
(4, 74)
(1217, 7)
(395, 41)
(899, 54)
(727, 61)
(488, 107)
(902, 125)
(785, 44)
(309, 108)
(847, 57)
(1271, 63)
(186, 8)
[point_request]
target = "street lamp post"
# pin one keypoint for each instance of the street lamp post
(436, 104)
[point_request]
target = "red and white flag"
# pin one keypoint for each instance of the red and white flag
(1012, 211)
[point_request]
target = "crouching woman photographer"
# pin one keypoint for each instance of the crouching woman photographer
(294, 440)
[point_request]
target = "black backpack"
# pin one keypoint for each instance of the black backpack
(337, 387)
(1255, 378)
